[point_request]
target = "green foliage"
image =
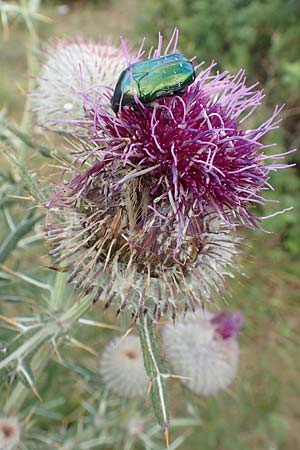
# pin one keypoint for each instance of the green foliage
(259, 35)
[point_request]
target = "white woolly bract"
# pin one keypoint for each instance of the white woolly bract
(122, 367)
(122, 272)
(195, 350)
(71, 69)
(10, 431)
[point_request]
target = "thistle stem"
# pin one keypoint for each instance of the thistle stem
(155, 369)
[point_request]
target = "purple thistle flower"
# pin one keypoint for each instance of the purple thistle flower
(146, 216)
(228, 326)
(192, 147)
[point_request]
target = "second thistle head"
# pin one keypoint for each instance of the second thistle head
(204, 349)
(10, 432)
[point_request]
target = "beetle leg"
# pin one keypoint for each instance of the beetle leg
(154, 105)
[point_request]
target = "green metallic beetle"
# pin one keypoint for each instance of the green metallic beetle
(152, 79)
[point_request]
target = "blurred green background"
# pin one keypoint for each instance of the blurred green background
(263, 36)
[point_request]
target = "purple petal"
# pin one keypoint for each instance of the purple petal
(228, 326)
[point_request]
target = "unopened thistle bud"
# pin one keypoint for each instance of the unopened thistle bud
(204, 349)
(10, 431)
(122, 367)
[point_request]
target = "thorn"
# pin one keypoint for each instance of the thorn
(124, 336)
(44, 18)
(10, 321)
(166, 433)
(93, 323)
(83, 347)
(21, 197)
(34, 390)
(56, 350)
(57, 269)
(8, 270)
(149, 388)
(28, 418)
(21, 89)
(179, 377)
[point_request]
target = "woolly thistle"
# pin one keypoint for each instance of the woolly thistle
(146, 218)
(70, 69)
(204, 349)
(10, 432)
(122, 367)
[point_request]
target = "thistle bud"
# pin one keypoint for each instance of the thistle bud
(122, 367)
(204, 349)
(10, 431)
(72, 68)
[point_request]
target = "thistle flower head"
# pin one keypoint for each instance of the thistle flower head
(146, 217)
(122, 367)
(10, 431)
(197, 348)
(193, 149)
(71, 68)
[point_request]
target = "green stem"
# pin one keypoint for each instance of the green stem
(155, 369)
(58, 298)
